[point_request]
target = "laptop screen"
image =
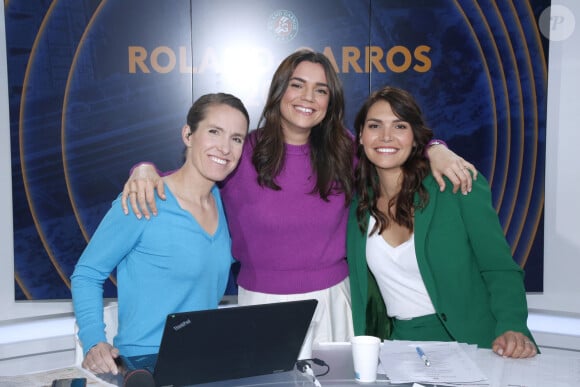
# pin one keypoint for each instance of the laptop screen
(231, 343)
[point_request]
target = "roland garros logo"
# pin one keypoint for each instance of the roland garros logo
(283, 25)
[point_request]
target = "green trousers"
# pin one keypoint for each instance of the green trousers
(424, 328)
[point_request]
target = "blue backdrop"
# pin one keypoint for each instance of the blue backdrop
(96, 86)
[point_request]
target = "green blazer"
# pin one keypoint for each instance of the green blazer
(476, 287)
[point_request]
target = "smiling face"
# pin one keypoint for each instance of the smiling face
(305, 101)
(387, 140)
(215, 147)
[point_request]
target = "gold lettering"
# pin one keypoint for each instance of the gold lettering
(424, 59)
(350, 55)
(373, 56)
(137, 57)
(208, 61)
(406, 59)
(164, 59)
(171, 60)
(183, 67)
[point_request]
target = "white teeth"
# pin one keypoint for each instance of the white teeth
(386, 150)
(218, 160)
(303, 109)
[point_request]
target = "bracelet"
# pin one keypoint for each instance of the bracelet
(432, 143)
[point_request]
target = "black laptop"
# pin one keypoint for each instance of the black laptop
(229, 343)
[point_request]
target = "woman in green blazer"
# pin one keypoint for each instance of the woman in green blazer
(426, 264)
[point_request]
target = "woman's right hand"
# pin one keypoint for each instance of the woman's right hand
(515, 345)
(101, 359)
(140, 190)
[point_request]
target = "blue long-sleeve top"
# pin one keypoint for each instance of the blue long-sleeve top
(165, 265)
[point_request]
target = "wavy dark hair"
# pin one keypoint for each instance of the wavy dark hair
(415, 168)
(331, 146)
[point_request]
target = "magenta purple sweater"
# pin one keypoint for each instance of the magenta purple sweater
(288, 241)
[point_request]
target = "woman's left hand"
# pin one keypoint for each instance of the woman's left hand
(445, 162)
(514, 344)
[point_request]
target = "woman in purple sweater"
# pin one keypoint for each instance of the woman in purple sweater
(287, 202)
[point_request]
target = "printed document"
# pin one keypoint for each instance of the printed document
(449, 363)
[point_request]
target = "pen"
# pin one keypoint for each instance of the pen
(423, 356)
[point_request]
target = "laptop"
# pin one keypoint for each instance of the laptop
(229, 343)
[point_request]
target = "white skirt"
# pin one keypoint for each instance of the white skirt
(332, 320)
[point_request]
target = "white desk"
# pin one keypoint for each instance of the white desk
(560, 367)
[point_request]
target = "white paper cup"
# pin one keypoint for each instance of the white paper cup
(365, 357)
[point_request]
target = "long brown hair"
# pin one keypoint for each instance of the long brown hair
(331, 147)
(415, 168)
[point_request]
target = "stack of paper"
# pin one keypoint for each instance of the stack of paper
(45, 378)
(433, 362)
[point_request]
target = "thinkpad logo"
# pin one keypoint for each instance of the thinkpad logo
(182, 325)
